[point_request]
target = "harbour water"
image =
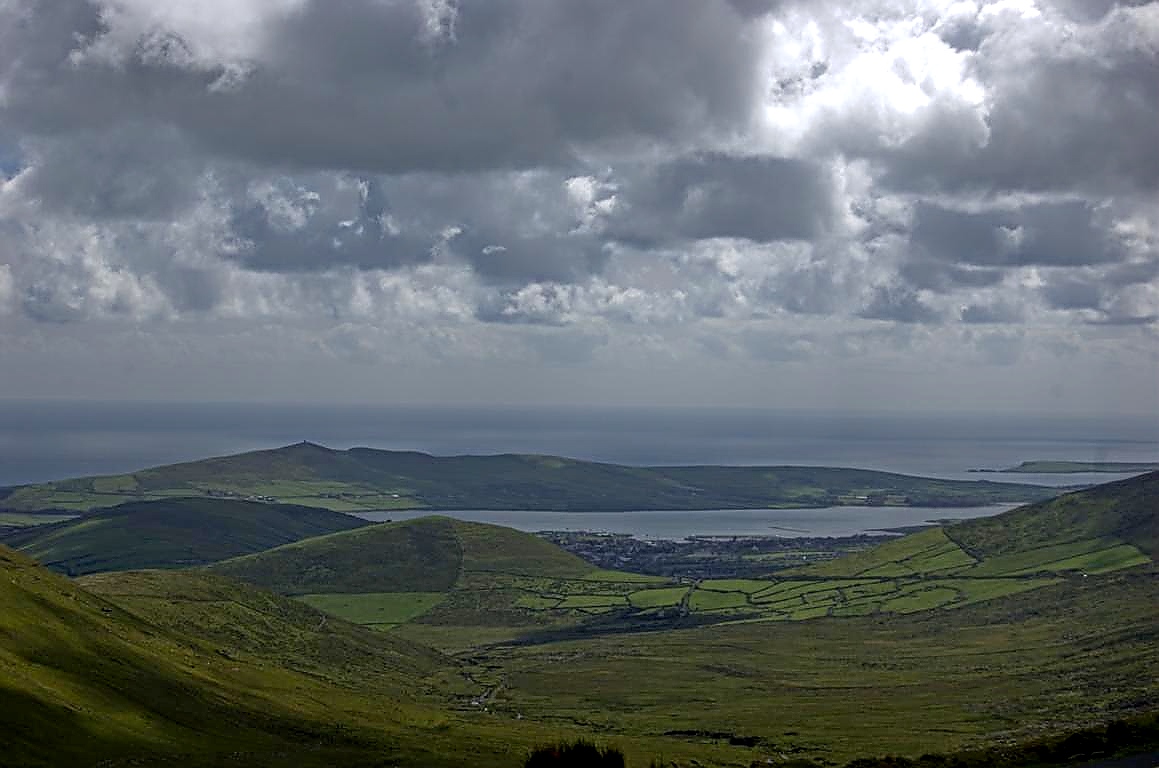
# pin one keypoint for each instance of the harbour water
(676, 525)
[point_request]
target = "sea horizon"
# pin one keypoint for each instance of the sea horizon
(42, 440)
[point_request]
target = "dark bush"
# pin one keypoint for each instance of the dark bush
(581, 754)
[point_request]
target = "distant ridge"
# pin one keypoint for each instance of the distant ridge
(171, 533)
(361, 479)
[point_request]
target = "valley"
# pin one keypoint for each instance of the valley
(198, 628)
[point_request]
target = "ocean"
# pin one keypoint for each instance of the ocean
(42, 441)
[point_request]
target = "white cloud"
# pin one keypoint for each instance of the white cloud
(417, 181)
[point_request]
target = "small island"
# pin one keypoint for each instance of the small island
(1072, 467)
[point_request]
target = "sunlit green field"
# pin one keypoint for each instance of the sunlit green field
(828, 689)
(24, 519)
(923, 572)
(375, 609)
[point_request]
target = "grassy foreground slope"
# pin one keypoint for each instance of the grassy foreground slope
(190, 669)
(362, 479)
(85, 681)
(172, 533)
(1080, 652)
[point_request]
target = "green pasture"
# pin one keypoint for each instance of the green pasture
(25, 520)
(925, 572)
(375, 608)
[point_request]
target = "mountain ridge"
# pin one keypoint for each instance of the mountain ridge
(171, 533)
(365, 479)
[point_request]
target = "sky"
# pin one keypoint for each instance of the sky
(867, 204)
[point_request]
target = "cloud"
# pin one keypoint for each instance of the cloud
(568, 180)
(899, 304)
(1099, 138)
(1064, 292)
(996, 313)
(7, 289)
(1046, 234)
(943, 277)
(704, 196)
(387, 86)
(138, 171)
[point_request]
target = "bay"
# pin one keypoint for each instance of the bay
(680, 524)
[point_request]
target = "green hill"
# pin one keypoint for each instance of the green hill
(193, 668)
(438, 577)
(1125, 510)
(180, 669)
(1104, 529)
(425, 555)
(362, 479)
(171, 533)
(434, 570)
(239, 620)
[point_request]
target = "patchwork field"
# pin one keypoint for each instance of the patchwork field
(498, 578)
(829, 689)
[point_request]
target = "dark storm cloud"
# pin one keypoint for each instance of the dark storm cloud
(1048, 234)
(511, 228)
(762, 199)
(528, 259)
(943, 277)
(562, 162)
(810, 290)
(1134, 273)
(193, 289)
(1066, 292)
(900, 304)
(983, 314)
(366, 85)
(1090, 11)
(321, 237)
(1112, 319)
(136, 171)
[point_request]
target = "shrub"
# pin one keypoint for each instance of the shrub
(580, 754)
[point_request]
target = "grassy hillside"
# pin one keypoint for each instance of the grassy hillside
(367, 479)
(418, 556)
(1073, 654)
(193, 668)
(434, 569)
(1126, 511)
(239, 620)
(179, 670)
(459, 584)
(172, 533)
(1101, 530)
